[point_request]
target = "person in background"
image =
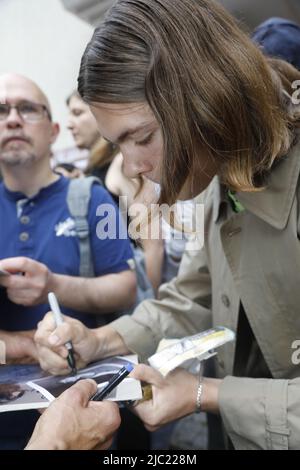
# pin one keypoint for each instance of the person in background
(39, 240)
(251, 13)
(86, 136)
(279, 38)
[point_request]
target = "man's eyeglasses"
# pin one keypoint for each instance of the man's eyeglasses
(27, 110)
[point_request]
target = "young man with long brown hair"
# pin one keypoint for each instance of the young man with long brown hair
(195, 106)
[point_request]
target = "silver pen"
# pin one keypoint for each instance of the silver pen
(59, 321)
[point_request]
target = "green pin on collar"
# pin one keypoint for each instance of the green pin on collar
(236, 205)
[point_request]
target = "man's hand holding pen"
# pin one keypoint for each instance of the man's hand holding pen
(58, 317)
(88, 344)
(51, 339)
(73, 421)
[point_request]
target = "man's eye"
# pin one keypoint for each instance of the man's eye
(146, 141)
(28, 109)
(3, 110)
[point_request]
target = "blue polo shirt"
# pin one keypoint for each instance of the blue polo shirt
(42, 229)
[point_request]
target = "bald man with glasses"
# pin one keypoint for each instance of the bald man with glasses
(39, 246)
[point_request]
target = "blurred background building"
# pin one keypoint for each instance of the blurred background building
(44, 41)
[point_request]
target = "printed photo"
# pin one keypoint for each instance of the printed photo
(28, 387)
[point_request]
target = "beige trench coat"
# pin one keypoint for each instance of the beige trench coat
(251, 257)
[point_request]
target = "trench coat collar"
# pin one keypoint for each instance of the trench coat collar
(273, 204)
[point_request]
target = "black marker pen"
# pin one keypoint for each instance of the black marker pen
(114, 381)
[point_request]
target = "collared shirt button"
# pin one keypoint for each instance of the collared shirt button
(225, 300)
(234, 232)
(24, 236)
(25, 219)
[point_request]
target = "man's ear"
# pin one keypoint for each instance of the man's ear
(54, 132)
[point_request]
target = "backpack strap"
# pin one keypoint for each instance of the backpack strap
(78, 198)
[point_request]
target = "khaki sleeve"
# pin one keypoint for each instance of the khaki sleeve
(261, 413)
(182, 308)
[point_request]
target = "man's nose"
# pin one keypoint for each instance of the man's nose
(14, 120)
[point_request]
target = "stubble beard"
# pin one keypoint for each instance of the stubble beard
(12, 158)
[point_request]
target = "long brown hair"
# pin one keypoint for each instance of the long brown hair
(210, 88)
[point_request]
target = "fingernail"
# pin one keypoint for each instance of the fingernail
(53, 339)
